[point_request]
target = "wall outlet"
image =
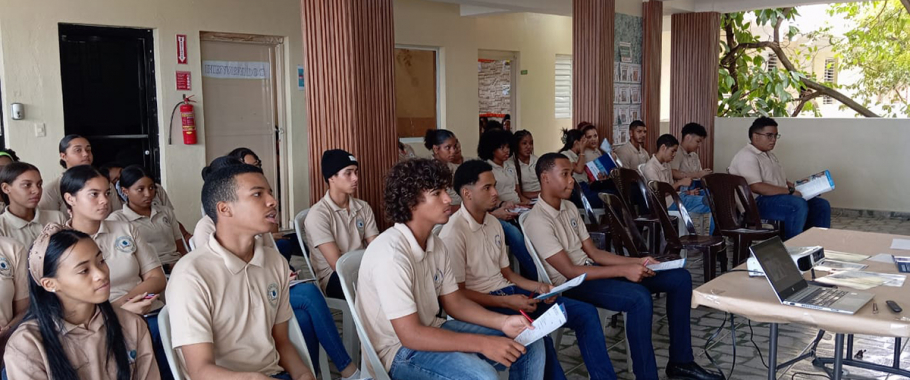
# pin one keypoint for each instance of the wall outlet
(40, 130)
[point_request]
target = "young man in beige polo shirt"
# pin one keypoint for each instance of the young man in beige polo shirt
(404, 277)
(613, 282)
(480, 263)
(338, 223)
(777, 198)
(228, 299)
(658, 169)
(686, 163)
(634, 153)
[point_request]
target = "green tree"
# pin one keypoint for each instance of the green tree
(747, 88)
(879, 47)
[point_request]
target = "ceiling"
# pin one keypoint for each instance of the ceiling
(564, 7)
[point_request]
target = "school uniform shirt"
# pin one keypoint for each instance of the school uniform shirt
(505, 181)
(160, 230)
(592, 154)
(161, 199)
(552, 230)
(52, 199)
(347, 228)
(757, 166)
(13, 277)
(630, 156)
(456, 199)
(529, 181)
(25, 231)
(215, 297)
(127, 254)
(476, 251)
(573, 158)
(654, 170)
(205, 228)
(85, 347)
(686, 162)
(399, 278)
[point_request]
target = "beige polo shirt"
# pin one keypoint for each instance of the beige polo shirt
(686, 162)
(592, 154)
(551, 231)
(85, 347)
(161, 198)
(399, 278)
(654, 170)
(205, 228)
(13, 277)
(25, 231)
(573, 158)
(757, 166)
(347, 227)
(127, 255)
(215, 297)
(476, 251)
(52, 199)
(630, 156)
(160, 230)
(456, 199)
(505, 181)
(529, 181)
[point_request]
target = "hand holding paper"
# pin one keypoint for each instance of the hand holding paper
(561, 288)
(543, 326)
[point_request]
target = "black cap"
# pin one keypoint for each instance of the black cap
(334, 160)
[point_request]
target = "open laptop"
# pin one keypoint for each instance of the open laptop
(792, 289)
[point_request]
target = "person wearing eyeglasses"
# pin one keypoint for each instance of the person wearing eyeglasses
(777, 198)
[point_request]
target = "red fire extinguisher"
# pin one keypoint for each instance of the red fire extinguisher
(188, 121)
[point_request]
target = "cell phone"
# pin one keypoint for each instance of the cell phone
(150, 296)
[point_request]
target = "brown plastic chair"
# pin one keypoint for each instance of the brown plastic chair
(628, 182)
(629, 238)
(713, 247)
(724, 190)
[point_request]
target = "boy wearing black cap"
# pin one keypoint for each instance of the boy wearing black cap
(338, 223)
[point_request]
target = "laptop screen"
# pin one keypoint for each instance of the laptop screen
(780, 269)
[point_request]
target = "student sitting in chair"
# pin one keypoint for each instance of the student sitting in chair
(404, 277)
(686, 163)
(248, 335)
(658, 169)
(338, 223)
(613, 282)
(634, 152)
(480, 264)
(777, 198)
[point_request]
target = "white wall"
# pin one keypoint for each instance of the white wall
(30, 74)
(867, 158)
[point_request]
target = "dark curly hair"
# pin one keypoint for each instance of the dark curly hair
(490, 141)
(406, 182)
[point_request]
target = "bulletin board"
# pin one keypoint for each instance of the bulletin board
(627, 75)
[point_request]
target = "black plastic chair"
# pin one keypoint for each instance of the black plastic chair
(633, 191)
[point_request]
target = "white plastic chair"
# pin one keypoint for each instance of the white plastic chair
(164, 327)
(544, 277)
(348, 268)
(348, 335)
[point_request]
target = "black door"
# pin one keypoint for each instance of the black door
(108, 77)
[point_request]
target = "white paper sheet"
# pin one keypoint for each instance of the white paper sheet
(883, 258)
(667, 265)
(900, 244)
(829, 265)
(543, 326)
(845, 256)
(565, 286)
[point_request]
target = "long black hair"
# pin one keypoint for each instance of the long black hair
(569, 137)
(65, 143)
(45, 308)
(75, 178)
(10, 172)
(516, 144)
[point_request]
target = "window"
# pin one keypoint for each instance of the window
(416, 91)
(772, 61)
(563, 86)
(830, 77)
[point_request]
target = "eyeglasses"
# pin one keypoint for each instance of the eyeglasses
(770, 136)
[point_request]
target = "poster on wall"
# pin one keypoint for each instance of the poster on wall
(624, 95)
(635, 73)
(624, 73)
(625, 52)
(635, 93)
(634, 113)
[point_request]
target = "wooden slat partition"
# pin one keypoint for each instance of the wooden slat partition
(652, 25)
(592, 63)
(348, 48)
(693, 75)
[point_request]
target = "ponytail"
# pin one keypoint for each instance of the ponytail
(569, 137)
(516, 144)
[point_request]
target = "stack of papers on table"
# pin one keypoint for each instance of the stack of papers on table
(829, 265)
(863, 280)
(543, 326)
(845, 256)
(900, 244)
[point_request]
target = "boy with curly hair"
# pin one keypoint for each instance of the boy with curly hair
(404, 277)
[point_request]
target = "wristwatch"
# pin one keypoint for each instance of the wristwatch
(792, 189)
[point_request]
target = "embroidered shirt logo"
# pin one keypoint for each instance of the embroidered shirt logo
(125, 244)
(437, 280)
(272, 294)
(166, 220)
(498, 240)
(360, 225)
(574, 223)
(131, 354)
(5, 269)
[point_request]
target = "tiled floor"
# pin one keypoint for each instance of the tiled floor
(705, 322)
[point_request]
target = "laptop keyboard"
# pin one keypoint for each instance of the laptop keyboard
(822, 297)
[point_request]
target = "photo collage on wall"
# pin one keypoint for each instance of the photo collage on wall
(626, 99)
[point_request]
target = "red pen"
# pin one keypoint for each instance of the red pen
(526, 316)
(646, 262)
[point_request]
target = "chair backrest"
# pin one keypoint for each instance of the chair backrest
(542, 275)
(348, 269)
(296, 336)
(726, 192)
(164, 327)
(662, 190)
(301, 238)
(671, 234)
(628, 181)
(641, 169)
(622, 226)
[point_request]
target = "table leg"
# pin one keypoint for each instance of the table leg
(838, 356)
(849, 354)
(897, 354)
(772, 352)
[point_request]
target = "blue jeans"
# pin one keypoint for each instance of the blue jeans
(410, 364)
(317, 325)
(282, 376)
(581, 318)
(695, 204)
(635, 299)
(797, 214)
(516, 242)
(160, 357)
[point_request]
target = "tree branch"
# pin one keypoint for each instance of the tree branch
(802, 102)
(906, 5)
